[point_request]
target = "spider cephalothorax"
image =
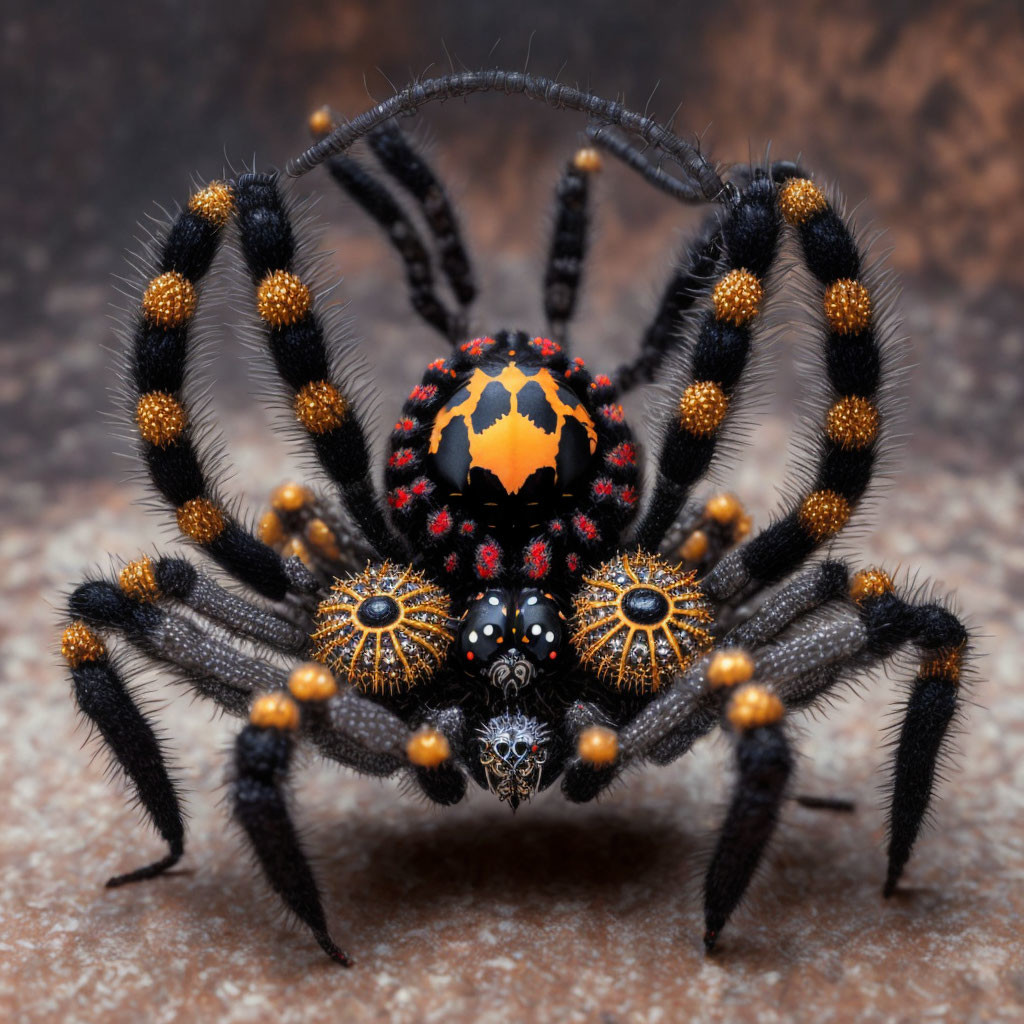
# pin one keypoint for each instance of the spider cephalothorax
(512, 610)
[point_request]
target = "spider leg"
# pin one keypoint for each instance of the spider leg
(854, 336)
(805, 666)
(568, 249)
(696, 264)
(410, 170)
(106, 701)
(398, 157)
(634, 156)
(295, 335)
(536, 87)
(584, 780)
(378, 202)
(179, 580)
(690, 282)
(709, 380)
(157, 369)
(886, 622)
(345, 726)
(337, 723)
(213, 667)
(445, 782)
(764, 763)
(263, 755)
(300, 524)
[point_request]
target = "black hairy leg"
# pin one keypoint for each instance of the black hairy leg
(846, 445)
(688, 440)
(295, 335)
(155, 382)
(263, 753)
(568, 248)
(105, 700)
(763, 767)
(411, 171)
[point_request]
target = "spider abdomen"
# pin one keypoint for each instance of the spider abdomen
(498, 463)
(512, 432)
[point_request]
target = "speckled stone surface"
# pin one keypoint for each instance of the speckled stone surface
(561, 913)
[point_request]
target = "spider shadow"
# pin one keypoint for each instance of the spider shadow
(493, 858)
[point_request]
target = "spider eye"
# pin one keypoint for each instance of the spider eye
(639, 620)
(509, 637)
(483, 632)
(386, 629)
(539, 626)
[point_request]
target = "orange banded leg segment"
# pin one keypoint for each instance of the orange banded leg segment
(295, 335)
(158, 361)
(718, 358)
(720, 525)
(847, 442)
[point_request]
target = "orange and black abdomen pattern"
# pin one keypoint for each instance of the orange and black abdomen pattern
(510, 461)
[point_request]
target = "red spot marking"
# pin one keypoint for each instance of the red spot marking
(537, 560)
(585, 526)
(398, 498)
(553, 655)
(556, 526)
(401, 457)
(423, 393)
(628, 495)
(421, 485)
(405, 425)
(467, 527)
(603, 488)
(546, 347)
(623, 454)
(612, 413)
(470, 655)
(488, 560)
(577, 367)
(476, 347)
(534, 748)
(601, 381)
(437, 365)
(440, 522)
(451, 562)
(572, 562)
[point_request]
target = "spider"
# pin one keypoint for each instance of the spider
(514, 610)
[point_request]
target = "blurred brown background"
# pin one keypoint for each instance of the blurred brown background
(916, 109)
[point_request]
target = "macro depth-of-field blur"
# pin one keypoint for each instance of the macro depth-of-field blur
(562, 913)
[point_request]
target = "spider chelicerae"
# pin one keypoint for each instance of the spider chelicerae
(514, 610)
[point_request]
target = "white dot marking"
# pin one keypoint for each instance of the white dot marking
(473, 636)
(493, 600)
(488, 629)
(549, 636)
(536, 629)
